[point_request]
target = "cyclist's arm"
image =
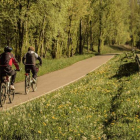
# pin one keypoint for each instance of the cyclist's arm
(15, 62)
(39, 58)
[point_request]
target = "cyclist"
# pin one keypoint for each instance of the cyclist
(31, 57)
(6, 61)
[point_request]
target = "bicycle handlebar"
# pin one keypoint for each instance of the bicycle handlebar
(38, 64)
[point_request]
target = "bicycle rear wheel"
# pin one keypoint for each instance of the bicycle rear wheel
(3, 91)
(27, 84)
(34, 85)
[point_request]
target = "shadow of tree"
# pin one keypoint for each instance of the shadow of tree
(120, 48)
(138, 52)
(115, 103)
(126, 69)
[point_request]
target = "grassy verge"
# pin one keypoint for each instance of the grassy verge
(50, 65)
(103, 105)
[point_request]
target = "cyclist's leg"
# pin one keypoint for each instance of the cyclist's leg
(9, 71)
(27, 79)
(27, 68)
(34, 72)
(0, 74)
(13, 76)
(12, 73)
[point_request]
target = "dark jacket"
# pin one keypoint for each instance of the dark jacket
(31, 57)
(7, 59)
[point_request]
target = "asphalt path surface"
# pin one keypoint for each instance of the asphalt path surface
(57, 79)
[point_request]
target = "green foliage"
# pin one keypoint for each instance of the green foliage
(110, 21)
(64, 27)
(134, 22)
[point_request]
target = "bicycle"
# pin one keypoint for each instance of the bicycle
(29, 82)
(5, 89)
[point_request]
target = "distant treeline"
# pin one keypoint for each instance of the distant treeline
(64, 27)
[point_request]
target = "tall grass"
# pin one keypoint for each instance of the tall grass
(103, 105)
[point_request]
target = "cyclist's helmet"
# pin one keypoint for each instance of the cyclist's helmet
(7, 49)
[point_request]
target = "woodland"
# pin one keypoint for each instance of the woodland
(63, 28)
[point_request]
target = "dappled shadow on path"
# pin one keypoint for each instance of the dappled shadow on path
(126, 70)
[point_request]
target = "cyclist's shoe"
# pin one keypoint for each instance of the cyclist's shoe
(12, 87)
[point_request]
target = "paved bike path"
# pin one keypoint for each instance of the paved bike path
(58, 79)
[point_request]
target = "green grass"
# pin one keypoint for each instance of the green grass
(103, 105)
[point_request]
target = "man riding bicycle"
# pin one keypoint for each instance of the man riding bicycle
(6, 61)
(31, 57)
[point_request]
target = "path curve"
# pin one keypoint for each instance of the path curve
(58, 79)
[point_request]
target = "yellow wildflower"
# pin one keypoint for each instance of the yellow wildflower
(44, 124)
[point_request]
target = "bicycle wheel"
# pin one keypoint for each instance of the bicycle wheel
(11, 95)
(27, 84)
(34, 86)
(3, 91)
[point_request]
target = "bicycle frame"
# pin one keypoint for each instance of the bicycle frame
(29, 83)
(6, 79)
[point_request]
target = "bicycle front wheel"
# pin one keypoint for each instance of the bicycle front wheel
(3, 91)
(27, 84)
(11, 95)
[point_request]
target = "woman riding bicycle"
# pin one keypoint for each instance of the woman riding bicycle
(6, 61)
(31, 57)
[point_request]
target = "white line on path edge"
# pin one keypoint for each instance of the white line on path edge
(57, 88)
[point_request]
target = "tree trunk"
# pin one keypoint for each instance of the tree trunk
(45, 48)
(36, 45)
(91, 43)
(80, 38)
(100, 28)
(26, 25)
(69, 37)
(20, 26)
(41, 38)
(87, 41)
(53, 53)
